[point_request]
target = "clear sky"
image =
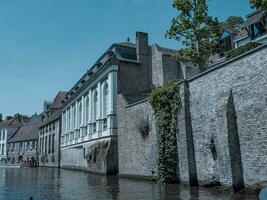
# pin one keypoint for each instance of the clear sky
(47, 45)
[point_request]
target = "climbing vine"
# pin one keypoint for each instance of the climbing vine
(165, 101)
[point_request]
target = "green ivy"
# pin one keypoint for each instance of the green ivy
(166, 102)
(240, 50)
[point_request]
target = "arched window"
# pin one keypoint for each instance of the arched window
(105, 99)
(95, 105)
(86, 109)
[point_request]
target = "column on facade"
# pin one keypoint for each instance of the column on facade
(112, 86)
(76, 115)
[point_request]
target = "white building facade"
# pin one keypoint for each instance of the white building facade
(89, 128)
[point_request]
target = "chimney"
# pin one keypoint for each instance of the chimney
(142, 47)
(1, 117)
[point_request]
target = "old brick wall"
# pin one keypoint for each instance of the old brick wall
(208, 96)
(137, 154)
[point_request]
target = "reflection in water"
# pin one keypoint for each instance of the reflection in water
(54, 184)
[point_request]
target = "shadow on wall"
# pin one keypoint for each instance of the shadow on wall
(234, 145)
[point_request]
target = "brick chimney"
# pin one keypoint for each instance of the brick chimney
(142, 47)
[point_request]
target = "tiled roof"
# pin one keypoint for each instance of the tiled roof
(135, 97)
(253, 18)
(242, 33)
(12, 123)
(51, 118)
(126, 44)
(57, 102)
(27, 132)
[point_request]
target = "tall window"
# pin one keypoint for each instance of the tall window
(86, 109)
(80, 114)
(69, 120)
(95, 105)
(53, 143)
(74, 116)
(49, 144)
(105, 99)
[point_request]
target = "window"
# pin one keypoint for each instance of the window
(95, 106)
(87, 109)
(74, 117)
(69, 119)
(3, 147)
(49, 127)
(3, 135)
(80, 114)
(45, 145)
(49, 144)
(105, 99)
(53, 125)
(53, 143)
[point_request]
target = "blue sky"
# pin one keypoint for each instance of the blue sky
(46, 45)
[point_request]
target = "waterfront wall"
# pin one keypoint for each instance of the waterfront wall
(137, 152)
(99, 156)
(222, 132)
(222, 124)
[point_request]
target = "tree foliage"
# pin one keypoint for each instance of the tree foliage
(195, 30)
(259, 4)
(165, 101)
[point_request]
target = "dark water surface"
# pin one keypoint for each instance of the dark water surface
(50, 184)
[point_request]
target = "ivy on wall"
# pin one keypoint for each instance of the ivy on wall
(240, 50)
(166, 102)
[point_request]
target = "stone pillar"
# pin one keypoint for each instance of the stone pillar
(112, 84)
(76, 114)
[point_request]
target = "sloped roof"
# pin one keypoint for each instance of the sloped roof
(57, 102)
(11, 123)
(135, 97)
(126, 44)
(166, 51)
(51, 118)
(253, 18)
(242, 33)
(27, 132)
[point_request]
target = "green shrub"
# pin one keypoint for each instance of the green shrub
(240, 50)
(165, 101)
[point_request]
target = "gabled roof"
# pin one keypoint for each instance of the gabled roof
(27, 132)
(11, 123)
(57, 102)
(51, 118)
(253, 18)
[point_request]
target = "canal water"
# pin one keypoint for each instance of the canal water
(54, 184)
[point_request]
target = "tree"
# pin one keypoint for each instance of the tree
(259, 4)
(195, 30)
(233, 22)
